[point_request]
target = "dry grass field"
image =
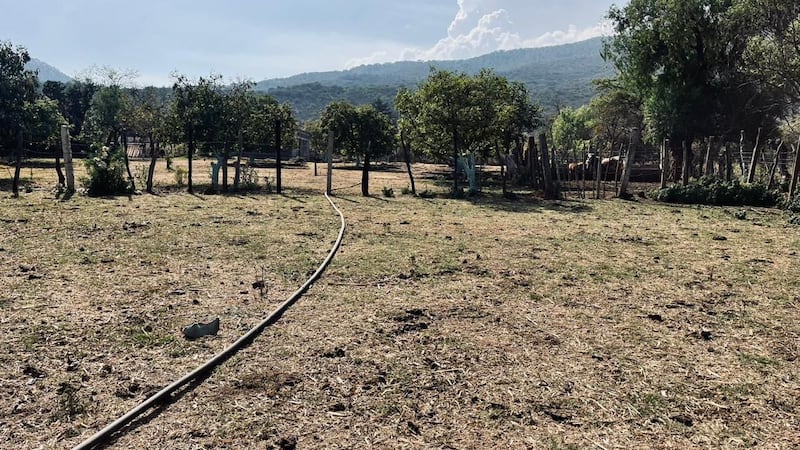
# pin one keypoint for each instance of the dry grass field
(442, 323)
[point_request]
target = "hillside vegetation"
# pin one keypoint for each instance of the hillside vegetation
(556, 76)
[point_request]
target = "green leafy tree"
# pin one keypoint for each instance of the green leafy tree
(266, 119)
(773, 50)
(43, 122)
(17, 89)
(683, 58)
(572, 127)
(148, 117)
(195, 114)
(613, 112)
(360, 131)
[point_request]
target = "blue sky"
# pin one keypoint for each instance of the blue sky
(267, 39)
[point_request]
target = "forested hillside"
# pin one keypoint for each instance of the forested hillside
(47, 72)
(556, 76)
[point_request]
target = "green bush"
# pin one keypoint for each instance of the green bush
(713, 191)
(106, 169)
(406, 191)
(388, 192)
(793, 204)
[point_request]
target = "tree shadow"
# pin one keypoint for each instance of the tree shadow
(526, 203)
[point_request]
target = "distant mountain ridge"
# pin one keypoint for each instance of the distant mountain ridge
(556, 76)
(47, 72)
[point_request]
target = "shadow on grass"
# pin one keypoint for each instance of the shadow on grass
(526, 203)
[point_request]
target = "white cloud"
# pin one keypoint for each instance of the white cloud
(484, 26)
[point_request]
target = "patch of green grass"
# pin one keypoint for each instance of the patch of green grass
(149, 339)
(757, 360)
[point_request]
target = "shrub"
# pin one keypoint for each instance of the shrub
(713, 191)
(793, 204)
(106, 170)
(180, 176)
(427, 193)
(406, 191)
(387, 192)
(269, 182)
(248, 179)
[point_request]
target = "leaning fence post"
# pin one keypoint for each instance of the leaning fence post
(795, 169)
(751, 174)
(67, 150)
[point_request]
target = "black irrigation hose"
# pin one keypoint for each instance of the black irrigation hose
(206, 368)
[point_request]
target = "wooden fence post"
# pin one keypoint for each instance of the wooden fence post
(626, 168)
(795, 170)
(774, 165)
(728, 162)
(549, 186)
(709, 161)
(685, 169)
(330, 162)
(751, 173)
(66, 148)
(278, 163)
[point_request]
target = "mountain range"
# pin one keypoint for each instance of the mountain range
(555, 76)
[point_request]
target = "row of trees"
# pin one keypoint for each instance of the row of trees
(203, 114)
(689, 69)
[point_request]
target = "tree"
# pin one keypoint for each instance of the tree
(274, 125)
(148, 118)
(572, 126)
(614, 112)
(773, 51)
(43, 122)
(17, 89)
(683, 59)
(195, 113)
(360, 131)
(461, 114)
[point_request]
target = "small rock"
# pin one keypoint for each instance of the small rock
(706, 335)
(655, 317)
(24, 268)
(719, 238)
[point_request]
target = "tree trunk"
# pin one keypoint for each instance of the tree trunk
(751, 173)
(664, 164)
(728, 162)
(237, 177)
(152, 169)
(190, 155)
(278, 161)
(127, 162)
(226, 149)
(455, 163)
(533, 172)
(61, 179)
(626, 168)
(710, 157)
(407, 156)
(17, 164)
(686, 166)
(365, 176)
(549, 186)
(795, 170)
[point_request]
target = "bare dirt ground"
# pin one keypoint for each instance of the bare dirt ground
(441, 323)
